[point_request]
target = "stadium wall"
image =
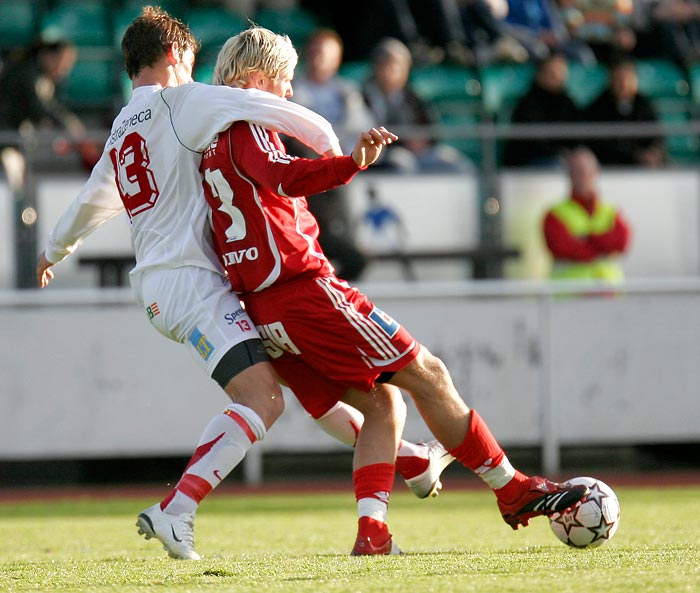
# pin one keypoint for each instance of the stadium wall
(83, 376)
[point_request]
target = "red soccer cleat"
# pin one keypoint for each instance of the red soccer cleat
(542, 497)
(364, 547)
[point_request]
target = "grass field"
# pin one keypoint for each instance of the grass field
(300, 543)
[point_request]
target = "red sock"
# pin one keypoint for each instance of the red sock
(479, 450)
(374, 481)
(373, 485)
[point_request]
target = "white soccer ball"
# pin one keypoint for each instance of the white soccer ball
(594, 522)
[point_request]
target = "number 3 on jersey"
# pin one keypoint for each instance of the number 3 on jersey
(135, 181)
(222, 190)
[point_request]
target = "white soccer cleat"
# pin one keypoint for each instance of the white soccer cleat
(175, 532)
(428, 483)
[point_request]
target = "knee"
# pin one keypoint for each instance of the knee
(388, 402)
(430, 367)
(257, 388)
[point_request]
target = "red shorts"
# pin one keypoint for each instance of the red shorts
(324, 337)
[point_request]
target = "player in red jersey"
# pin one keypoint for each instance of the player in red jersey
(326, 339)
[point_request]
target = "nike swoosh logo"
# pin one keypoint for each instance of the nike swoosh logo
(217, 475)
(175, 537)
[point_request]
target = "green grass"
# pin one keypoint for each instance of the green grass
(300, 543)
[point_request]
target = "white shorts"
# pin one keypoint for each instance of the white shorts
(195, 307)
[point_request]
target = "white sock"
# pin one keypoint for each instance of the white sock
(222, 446)
(499, 476)
(342, 422)
(373, 508)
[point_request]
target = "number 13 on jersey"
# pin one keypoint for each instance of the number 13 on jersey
(135, 181)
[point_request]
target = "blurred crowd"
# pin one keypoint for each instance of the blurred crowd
(474, 32)
(391, 40)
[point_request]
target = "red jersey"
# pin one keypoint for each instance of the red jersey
(263, 230)
(267, 240)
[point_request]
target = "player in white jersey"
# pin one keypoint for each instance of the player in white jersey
(149, 168)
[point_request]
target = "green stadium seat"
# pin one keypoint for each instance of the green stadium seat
(694, 81)
(92, 83)
(586, 82)
(204, 71)
(18, 23)
(358, 71)
(83, 22)
(464, 119)
(297, 23)
(661, 79)
(121, 19)
(212, 27)
(175, 8)
(683, 148)
(446, 83)
(502, 85)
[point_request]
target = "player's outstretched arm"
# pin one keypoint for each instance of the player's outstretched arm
(44, 273)
(370, 144)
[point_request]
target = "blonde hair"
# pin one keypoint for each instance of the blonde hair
(254, 50)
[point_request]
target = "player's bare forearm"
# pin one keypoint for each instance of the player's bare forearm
(370, 144)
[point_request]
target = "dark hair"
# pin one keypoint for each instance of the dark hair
(149, 36)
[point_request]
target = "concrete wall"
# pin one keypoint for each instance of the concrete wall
(83, 375)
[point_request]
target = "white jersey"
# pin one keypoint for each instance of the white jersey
(150, 168)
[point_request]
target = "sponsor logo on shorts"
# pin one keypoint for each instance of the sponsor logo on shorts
(388, 325)
(152, 310)
(276, 339)
(201, 344)
(234, 316)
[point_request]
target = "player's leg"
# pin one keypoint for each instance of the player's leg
(467, 437)
(419, 464)
(382, 414)
(374, 466)
(233, 355)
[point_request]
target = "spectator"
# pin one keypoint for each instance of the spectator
(668, 29)
(546, 101)
(394, 103)
(540, 27)
(584, 234)
(604, 26)
(482, 21)
(622, 102)
(319, 88)
(29, 102)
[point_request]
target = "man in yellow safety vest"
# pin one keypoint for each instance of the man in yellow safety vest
(584, 234)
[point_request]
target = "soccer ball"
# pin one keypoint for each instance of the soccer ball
(594, 522)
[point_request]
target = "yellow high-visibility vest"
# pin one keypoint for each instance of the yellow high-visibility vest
(580, 223)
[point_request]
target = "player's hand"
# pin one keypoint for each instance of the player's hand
(44, 273)
(370, 144)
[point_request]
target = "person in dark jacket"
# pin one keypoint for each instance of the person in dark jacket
(393, 102)
(621, 101)
(546, 101)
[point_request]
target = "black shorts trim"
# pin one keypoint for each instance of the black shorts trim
(385, 377)
(238, 359)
